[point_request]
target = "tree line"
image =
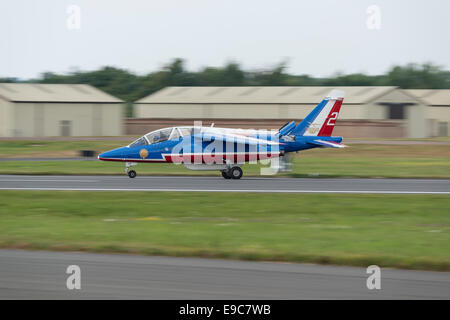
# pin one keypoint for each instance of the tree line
(131, 87)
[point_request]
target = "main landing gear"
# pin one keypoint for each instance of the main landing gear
(232, 173)
(131, 173)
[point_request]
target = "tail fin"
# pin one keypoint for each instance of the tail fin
(321, 121)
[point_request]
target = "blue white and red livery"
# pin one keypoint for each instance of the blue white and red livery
(226, 149)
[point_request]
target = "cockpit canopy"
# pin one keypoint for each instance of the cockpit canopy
(163, 135)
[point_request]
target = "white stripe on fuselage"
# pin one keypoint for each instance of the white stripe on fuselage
(209, 154)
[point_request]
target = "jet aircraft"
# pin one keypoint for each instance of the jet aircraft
(226, 149)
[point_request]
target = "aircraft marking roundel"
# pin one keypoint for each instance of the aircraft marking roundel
(143, 153)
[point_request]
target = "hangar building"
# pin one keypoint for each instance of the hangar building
(45, 110)
(438, 109)
(370, 111)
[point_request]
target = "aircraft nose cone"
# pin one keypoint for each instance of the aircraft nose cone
(111, 154)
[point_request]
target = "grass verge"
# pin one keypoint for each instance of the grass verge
(402, 231)
(360, 160)
(386, 167)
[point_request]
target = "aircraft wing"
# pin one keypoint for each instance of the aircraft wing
(233, 138)
(327, 144)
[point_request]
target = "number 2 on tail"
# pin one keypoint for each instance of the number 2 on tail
(333, 117)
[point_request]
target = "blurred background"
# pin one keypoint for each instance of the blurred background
(81, 77)
(129, 69)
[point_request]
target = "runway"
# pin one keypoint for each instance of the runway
(218, 184)
(42, 275)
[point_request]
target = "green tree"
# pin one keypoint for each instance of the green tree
(414, 76)
(131, 87)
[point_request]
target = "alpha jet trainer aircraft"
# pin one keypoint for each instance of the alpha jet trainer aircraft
(225, 149)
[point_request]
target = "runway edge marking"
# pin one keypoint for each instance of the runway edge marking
(230, 190)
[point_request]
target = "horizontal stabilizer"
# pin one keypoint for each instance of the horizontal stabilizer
(327, 144)
(287, 128)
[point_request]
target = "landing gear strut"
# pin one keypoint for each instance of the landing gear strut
(131, 173)
(232, 173)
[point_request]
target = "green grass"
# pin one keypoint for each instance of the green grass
(391, 167)
(403, 231)
(359, 160)
(48, 148)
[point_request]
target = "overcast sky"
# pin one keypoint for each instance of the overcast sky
(316, 37)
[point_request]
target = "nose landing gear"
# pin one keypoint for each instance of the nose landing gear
(131, 173)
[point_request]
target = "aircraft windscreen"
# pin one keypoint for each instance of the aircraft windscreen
(162, 135)
(159, 136)
(139, 142)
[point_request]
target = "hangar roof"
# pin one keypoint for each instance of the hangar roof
(432, 97)
(37, 92)
(276, 95)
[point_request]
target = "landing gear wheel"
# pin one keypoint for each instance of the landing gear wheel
(132, 174)
(235, 173)
(225, 174)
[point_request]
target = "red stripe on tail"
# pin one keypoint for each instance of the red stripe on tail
(330, 121)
